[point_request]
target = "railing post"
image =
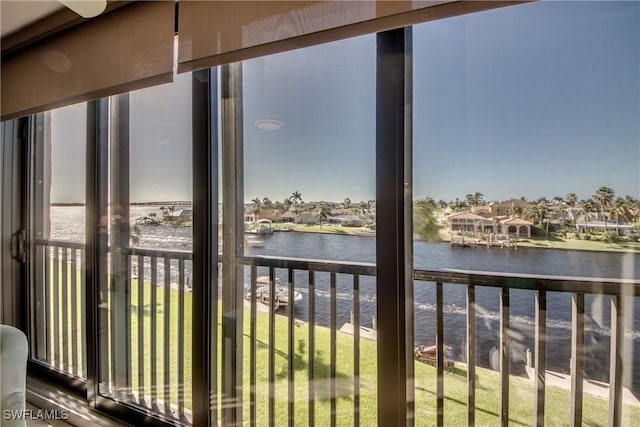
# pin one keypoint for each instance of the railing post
(439, 355)
(291, 348)
(312, 348)
(577, 357)
(615, 361)
(471, 355)
(356, 350)
(505, 356)
(540, 354)
(333, 326)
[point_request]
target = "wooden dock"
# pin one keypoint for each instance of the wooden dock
(368, 333)
(474, 243)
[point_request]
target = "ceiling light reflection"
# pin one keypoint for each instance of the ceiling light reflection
(268, 124)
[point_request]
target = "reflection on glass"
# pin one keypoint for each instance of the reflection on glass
(146, 312)
(309, 192)
(59, 230)
(526, 162)
(64, 169)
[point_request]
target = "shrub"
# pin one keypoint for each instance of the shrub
(610, 237)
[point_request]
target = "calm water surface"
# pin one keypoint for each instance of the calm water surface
(67, 225)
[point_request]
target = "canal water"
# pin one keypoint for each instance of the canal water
(439, 256)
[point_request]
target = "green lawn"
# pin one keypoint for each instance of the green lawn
(582, 245)
(455, 386)
(488, 385)
(329, 229)
(566, 243)
(533, 242)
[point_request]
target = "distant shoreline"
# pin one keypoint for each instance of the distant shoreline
(537, 243)
(173, 203)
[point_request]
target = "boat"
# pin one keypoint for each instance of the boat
(253, 243)
(263, 293)
(428, 354)
(263, 227)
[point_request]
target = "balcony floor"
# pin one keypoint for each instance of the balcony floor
(39, 423)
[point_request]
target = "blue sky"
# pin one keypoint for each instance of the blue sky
(534, 100)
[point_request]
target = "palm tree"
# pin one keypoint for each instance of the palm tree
(634, 207)
(469, 199)
(458, 205)
(442, 205)
(371, 216)
(166, 213)
(588, 207)
(478, 198)
(296, 200)
(572, 199)
(620, 210)
(603, 199)
(256, 204)
(267, 203)
(474, 199)
(514, 210)
(566, 220)
(323, 213)
(536, 213)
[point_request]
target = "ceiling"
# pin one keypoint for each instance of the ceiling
(17, 14)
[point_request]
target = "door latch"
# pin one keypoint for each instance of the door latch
(19, 246)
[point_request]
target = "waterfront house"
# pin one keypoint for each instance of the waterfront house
(515, 227)
(183, 216)
(272, 214)
(306, 217)
(483, 210)
(288, 217)
(346, 220)
(508, 207)
(597, 224)
(470, 223)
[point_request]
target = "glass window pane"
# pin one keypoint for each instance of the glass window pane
(147, 304)
(526, 147)
(309, 193)
(58, 298)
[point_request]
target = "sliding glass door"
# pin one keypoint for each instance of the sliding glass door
(145, 304)
(57, 229)
(299, 237)
(526, 175)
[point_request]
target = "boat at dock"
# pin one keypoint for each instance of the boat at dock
(428, 354)
(263, 293)
(262, 227)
